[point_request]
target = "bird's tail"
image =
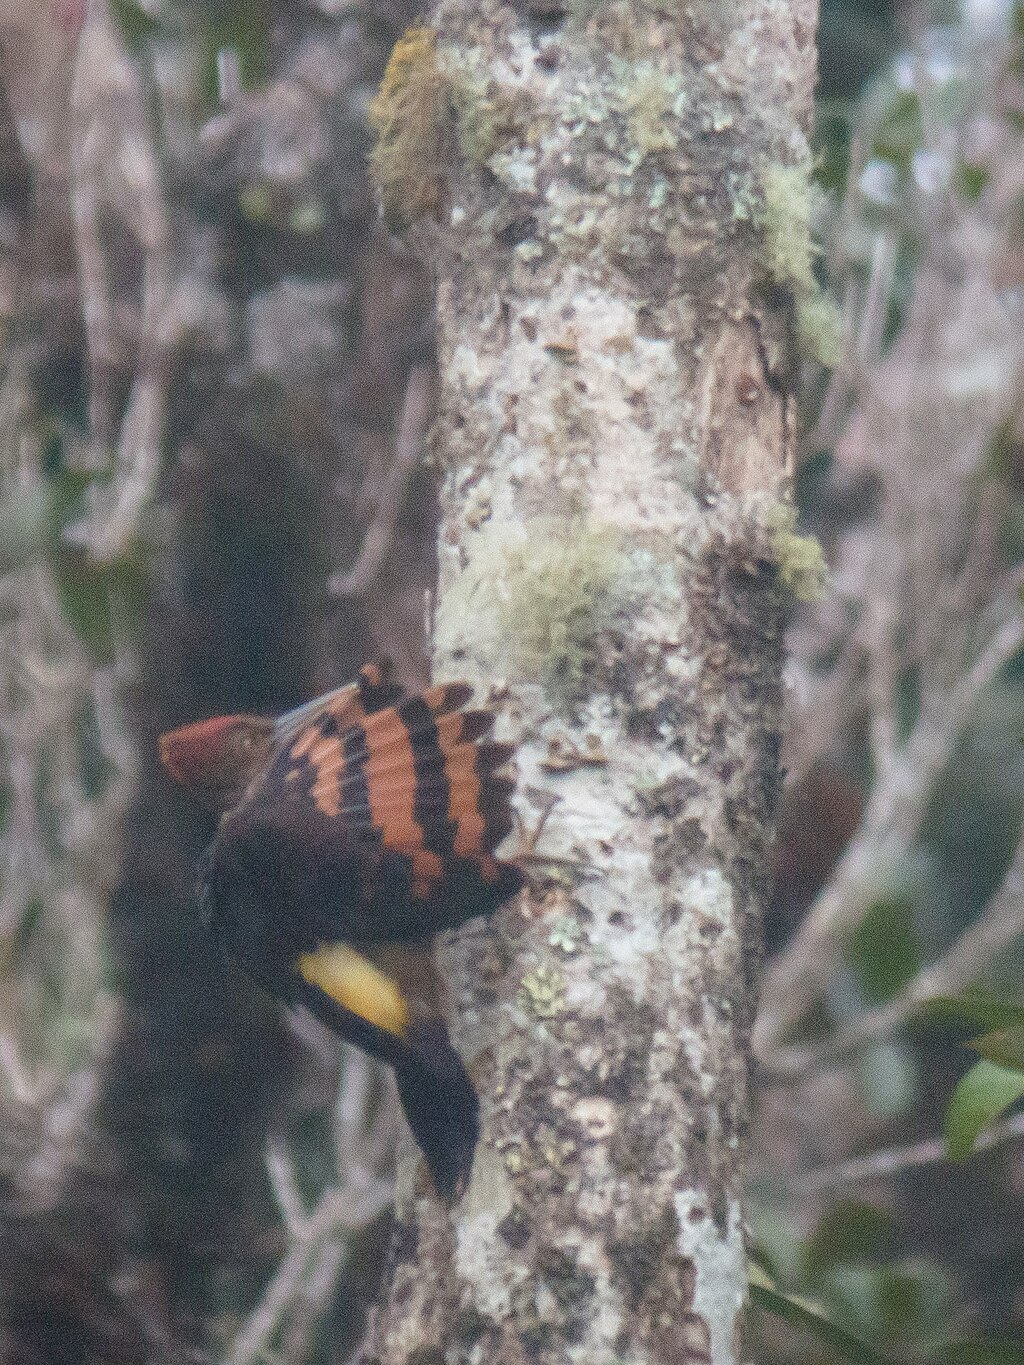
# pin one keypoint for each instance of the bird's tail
(441, 1106)
(437, 1095)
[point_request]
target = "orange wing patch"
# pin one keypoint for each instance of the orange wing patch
(416, 776)
(336, 714)
(304, 743)
(391, 780)
(325, 790)
(373, 690)
(464, 799)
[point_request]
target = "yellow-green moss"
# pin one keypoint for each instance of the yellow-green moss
(559, 589)
(538, 597)
(799, 559)
(514, 1161)
(486, 116)
(649, 97)
(787, 207)
(423, 101)
(542, 992)
(408, 116)
(565, 933)
(786, 221)
(820, 327)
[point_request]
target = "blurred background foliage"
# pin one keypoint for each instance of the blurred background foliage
(208, 344)
(917, 1258)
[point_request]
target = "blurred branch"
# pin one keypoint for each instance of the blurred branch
(143, 253)
(998, 925)
(892, 818)
(318, 1287)
(319, 1242)
(417, 413)
(61, 846)
(316, 1239)
(281, 1171)
(67, 753)
(116, 175)
(892, 1161)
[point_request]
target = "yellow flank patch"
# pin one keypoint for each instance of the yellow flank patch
(357, 985)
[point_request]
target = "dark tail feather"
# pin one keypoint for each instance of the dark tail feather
(441, 1106)
(436, 1093)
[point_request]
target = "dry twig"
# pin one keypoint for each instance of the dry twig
(892, 819)
(890, 1161)
(318, 1242)
(116, 173)
(416, 415)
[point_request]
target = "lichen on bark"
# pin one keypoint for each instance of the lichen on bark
(612, 363)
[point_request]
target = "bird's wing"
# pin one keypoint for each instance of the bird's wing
(411, 789)
(373, 689)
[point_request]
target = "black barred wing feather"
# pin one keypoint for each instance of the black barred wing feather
(382, 823)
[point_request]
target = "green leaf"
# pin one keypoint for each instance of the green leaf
(777, 1237)
(27, 926)
(849, 1231)
(900, 133)
(976, 1009)
(133, 23)
(889, 1074)
(883, 949)
(981, 1096)
(915, 1298)
(1004, 1046)
(801, 1312)
(970, 179)
(243, 26)
(24, 525)
(984, 1351)
(831, 145)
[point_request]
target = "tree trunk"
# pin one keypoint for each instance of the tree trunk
(615, 437)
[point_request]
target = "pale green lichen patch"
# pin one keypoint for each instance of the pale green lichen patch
(480, 1253)
(565, 933)
(710, 893)
(565, 580)
(742, 195)
(540, 598)
(820, 328)
(542, 992)
(425, 101)
(788, 206)
(789, 252)
(719, 1261)
(652, 100)
(799, 559)
(487, 114)
(514, 1160)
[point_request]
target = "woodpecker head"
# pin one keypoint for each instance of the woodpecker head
(217, 759)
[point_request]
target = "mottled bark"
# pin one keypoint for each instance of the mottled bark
(615, 436)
